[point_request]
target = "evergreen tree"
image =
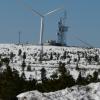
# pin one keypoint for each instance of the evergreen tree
(77, 66)
(64, 55)
(75, 59)
(78, 57)
(1, 63)
(81, 80)
(89, 59)
(15, 74)
(95, 76)
(96, 58)
(0, 56)
(11, 56)
(54, 76)
(68, 62)
(65, 79)
(19, 52)
(43, 74)
(62, 68)
(51, 56)
(24, 55)
(23, 65)
(9, 84)
(5, 61)
(89, 79)
(23, 76)
(8, 73)
(29, 68)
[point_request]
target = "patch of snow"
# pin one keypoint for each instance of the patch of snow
(51, 66)
(89, 92)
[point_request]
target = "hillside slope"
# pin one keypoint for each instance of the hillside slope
(86, 59)
(77, 61)
(89, 92)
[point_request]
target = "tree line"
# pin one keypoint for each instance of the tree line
(12, 84)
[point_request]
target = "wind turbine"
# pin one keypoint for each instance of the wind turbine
(42, 26)
(42, 21)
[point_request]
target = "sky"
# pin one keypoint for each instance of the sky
(83, 19)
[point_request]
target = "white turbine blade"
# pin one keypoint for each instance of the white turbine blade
(53, 11)
(30, 8)
(34, 11)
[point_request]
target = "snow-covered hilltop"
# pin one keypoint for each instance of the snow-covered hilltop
(89, 92)
(84, 58)
(80, 66)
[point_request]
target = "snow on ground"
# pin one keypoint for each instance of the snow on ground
(73, 54)
(89, 92)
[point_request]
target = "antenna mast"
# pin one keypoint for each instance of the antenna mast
(19, 37)
(62, 29)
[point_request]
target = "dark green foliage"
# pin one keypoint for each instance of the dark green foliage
(75, 59)
(23, 65)
(68, 62)
(11, 55)
(54, 76)
(89, 59)
(51, 56)
(65, 78)
(0, 56)
(8, 84)
(23, 76)
(81, 80)
(78, 57)
(5, 60)
(11, 84)
(95, 76)
(58, 55)
(64, 55)
(89, 79)
(19, 52)
(24, 55)
(62, 68)
(96, 58)
(77, 66)
(1, 64)
(43, 74)
(29, 68)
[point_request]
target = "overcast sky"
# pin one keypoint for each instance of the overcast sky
(83, 19)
